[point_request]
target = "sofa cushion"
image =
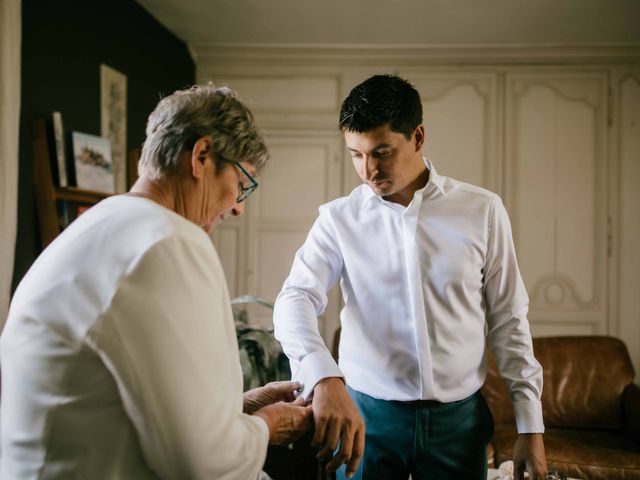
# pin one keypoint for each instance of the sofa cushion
(592, 454)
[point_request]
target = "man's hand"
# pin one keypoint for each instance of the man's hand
(337, 420)
(286, 421)
(255, 399)
(528, 453)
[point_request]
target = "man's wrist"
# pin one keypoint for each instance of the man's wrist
(333, 379)
(330, 381)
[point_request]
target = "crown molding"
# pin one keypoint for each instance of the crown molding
(404, 55)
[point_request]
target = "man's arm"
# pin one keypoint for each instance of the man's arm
(316, 268)
(510, 340)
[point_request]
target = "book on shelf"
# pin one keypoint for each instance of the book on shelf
(58, 134)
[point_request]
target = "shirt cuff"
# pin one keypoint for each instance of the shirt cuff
(313, 368)
(529, 416)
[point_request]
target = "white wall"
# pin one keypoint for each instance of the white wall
(556, 133)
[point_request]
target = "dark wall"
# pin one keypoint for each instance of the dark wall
(63, 44)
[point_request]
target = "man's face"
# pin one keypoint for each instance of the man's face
(385, 160)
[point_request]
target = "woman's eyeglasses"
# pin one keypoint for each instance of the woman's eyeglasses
(245, 189)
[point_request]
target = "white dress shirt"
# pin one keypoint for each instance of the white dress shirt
(420, 284)
(119, 356)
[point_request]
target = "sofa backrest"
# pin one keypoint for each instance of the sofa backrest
(584, 378)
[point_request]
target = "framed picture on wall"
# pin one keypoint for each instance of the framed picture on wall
(92, 161)
(113, 121)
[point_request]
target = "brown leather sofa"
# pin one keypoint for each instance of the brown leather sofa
(590, 406)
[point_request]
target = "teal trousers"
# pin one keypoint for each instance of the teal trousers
(425, 439)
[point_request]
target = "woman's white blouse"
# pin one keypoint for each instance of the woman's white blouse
(119, 356)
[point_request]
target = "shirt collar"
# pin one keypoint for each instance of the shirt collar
(435, 182)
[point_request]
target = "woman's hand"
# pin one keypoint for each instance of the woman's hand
(286, 421)
(271, 393)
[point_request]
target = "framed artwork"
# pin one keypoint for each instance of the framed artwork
(113, 121)
(92, 161)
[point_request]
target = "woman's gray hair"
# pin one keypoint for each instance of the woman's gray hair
(185, 116)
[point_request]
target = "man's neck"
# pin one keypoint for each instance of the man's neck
(404, 196)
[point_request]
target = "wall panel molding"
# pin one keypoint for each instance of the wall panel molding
(411, 55)
(557, 290)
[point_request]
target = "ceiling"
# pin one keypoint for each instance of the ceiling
(355, 23)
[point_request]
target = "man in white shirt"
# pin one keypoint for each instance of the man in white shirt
(429, 278)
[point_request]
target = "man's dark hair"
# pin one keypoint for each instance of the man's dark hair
(382, 100)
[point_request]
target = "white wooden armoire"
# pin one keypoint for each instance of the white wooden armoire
(554, 131)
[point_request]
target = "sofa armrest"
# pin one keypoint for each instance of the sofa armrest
(631, 411)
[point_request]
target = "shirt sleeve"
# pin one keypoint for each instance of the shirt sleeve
(168, 338)
(316, 268)
(508, 334)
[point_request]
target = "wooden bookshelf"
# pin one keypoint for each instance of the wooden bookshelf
(47, 194)
(74, 194)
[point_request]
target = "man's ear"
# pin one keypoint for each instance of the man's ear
(419, 137)
(201, 149)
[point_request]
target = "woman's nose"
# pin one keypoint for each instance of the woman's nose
(238, 209)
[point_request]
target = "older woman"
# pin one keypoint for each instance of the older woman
(119, 356)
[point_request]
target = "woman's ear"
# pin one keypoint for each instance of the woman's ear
(201, 150)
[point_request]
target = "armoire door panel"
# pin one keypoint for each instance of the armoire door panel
(228, 244)
(291, 93)
(459, 115)
(556, 184)
(628, 122)
(274, 256)
(539, 329)
(305, 173)
(295, 183)
(455, 132)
